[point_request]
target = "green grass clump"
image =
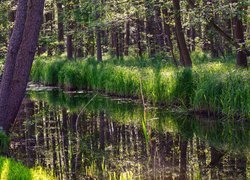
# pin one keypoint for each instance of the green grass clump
(211, 86)
(10, 169)
(223, 90)
(46, 71)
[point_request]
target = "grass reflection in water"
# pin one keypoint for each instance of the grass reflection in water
(107, 141)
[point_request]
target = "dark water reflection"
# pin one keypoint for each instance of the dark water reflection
(78, 136)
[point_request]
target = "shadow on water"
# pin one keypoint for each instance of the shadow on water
(105, 140)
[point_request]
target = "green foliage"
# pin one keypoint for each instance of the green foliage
(11, 170)
(184, 86)
(213, 87)
(4, 27)
(46, 71)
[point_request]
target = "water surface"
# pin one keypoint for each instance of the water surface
(88, 136)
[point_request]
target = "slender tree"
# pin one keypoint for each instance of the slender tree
(60, 26)
(184, 53)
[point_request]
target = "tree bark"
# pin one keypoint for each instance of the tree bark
(180, 35)
(60, 26)
(69, 46)
(127, 38)
(158, 27)
(241, 57)
(70, 26)
(150, 28)
(98, 33)
(167, 35)
(98, 45)
(138, 35)
(25, 56)
(9, 67)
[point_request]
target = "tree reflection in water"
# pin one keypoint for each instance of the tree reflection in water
(106, 139)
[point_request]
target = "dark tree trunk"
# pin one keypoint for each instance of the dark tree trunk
(98, 33)
(167, 36)
(158, 28)
(138, 36)
(121, 43)
(70, 46)
(116, 41)
(182, 62)
(16, 78)
(60, 27)
(180, 35)
(98, 45)
(127, 38)
(241, 58)
(70, 26)
(150, 28)
(49, 29)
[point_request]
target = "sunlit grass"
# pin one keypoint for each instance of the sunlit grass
(215, 87)
(10, 169)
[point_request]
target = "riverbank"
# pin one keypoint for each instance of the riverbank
(211, 87)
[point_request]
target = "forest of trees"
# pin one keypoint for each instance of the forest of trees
(121, 28)
(180, 57)
(95, 28)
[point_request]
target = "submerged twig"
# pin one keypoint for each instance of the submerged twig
(82, 109)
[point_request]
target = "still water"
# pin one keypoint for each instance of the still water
(89, 136)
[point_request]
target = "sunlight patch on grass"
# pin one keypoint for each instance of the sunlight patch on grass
(12, 170)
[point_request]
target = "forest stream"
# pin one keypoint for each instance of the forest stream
(90, 136)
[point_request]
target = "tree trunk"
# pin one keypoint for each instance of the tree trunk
(49, 30)
(167, 35)
(180, 35)
(158, 27)
(9, 68)
(70, 46)
(70, 26)
(127, 38)
(60, 27)
(98, 33)
(150, 28)
(98, 45)
(16, 86)
(241, 58)
(138, 36)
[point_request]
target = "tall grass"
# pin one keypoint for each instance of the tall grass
(212, 87)
(10, 169)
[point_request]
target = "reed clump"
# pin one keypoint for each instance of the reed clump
(212, 87)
